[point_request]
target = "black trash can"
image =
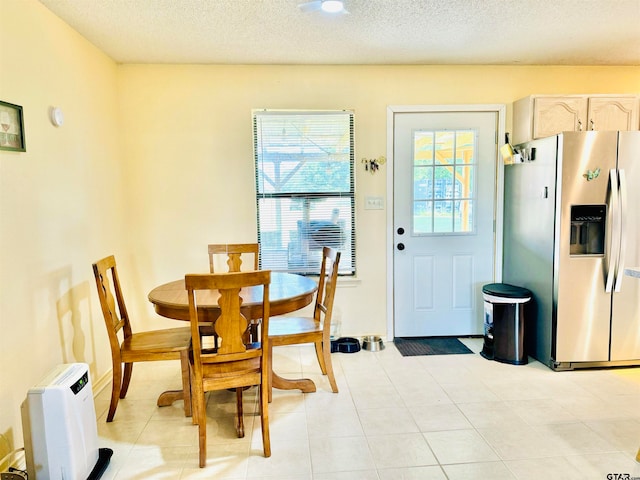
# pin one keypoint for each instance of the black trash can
(504, 323)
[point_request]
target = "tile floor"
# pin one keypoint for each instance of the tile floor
(431, 417)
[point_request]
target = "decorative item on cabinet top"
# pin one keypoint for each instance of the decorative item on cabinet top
(539, 116)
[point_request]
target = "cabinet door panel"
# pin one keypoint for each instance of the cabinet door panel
(613, 113)
(553, 115)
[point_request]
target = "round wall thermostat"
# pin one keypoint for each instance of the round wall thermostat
(57, 117)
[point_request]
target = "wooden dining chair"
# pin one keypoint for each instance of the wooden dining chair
(167, 344)
(234, 252)
(286, 330)
(233, 364)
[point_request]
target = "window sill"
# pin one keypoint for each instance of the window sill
(348, 282)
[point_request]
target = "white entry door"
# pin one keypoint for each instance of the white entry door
(444, 200)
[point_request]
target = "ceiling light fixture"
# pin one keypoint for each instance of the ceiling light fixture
(326, 6)
(332, 6)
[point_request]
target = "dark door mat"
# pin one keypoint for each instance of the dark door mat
(413, 346)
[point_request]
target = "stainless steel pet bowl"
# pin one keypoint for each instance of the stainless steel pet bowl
(372, 343)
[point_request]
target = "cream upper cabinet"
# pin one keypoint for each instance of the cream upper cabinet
(611, 113)
(538, 116)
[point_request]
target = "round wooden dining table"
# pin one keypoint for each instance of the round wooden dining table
(288, 292)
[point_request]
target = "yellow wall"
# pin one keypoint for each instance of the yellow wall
(189, 159)
(155, 161)
(60, 204)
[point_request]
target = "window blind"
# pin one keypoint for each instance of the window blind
(304, 188)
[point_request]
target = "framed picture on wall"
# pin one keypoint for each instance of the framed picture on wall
(11, 127)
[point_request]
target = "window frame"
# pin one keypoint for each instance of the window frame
(454, 165)
(311, 264)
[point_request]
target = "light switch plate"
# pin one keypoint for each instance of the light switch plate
(374, 203)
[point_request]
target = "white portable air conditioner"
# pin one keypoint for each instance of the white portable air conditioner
(59, 425)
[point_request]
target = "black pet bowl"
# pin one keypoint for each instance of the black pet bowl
(345, 345)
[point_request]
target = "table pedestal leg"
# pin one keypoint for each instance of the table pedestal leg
(167, 398)
(304, 384)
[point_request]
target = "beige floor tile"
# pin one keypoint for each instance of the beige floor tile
(223, 403)
(282, 425)
(154, 462)
(560, 385)
(340, 454)
(516, 389)
(412, 473)
(132, 472)
(604, 383)
(358, 362)
(490, 414)
(512, 442)
(401, 368)
(287, 401)
(120, 432)
(574, 439)
(401, 450)
(591, 408)
(434, 417)
(169, 433)
(119, 459)
(459, 446)
(623, 434)
(549, 468)
(328, 401)
(173, 411)
(422, 393)
(386, 421)
(479, 471)
(360, 475)
(289, 457)
(307, 476)
(455, 373)
(626, 403)
(363, 379)
(469, 392)
(330, 423)
(540, 411)
(373, 396)
(132, 409)
(309, 361)
(224, 461)
(287, 360)
(604, 465)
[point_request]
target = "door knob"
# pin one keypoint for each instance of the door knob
(401, 246)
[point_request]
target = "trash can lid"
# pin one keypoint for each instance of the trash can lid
(505, 290)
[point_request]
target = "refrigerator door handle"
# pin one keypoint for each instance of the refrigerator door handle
(614, 232)
(623, 229)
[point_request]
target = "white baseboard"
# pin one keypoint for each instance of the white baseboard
(102, 382)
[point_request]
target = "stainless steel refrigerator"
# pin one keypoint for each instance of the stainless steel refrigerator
(571, 226)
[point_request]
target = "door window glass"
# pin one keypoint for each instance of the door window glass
(444, 172)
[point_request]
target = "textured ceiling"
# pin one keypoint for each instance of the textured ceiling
(507, 32)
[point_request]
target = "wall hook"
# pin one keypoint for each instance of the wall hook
(373, 164)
